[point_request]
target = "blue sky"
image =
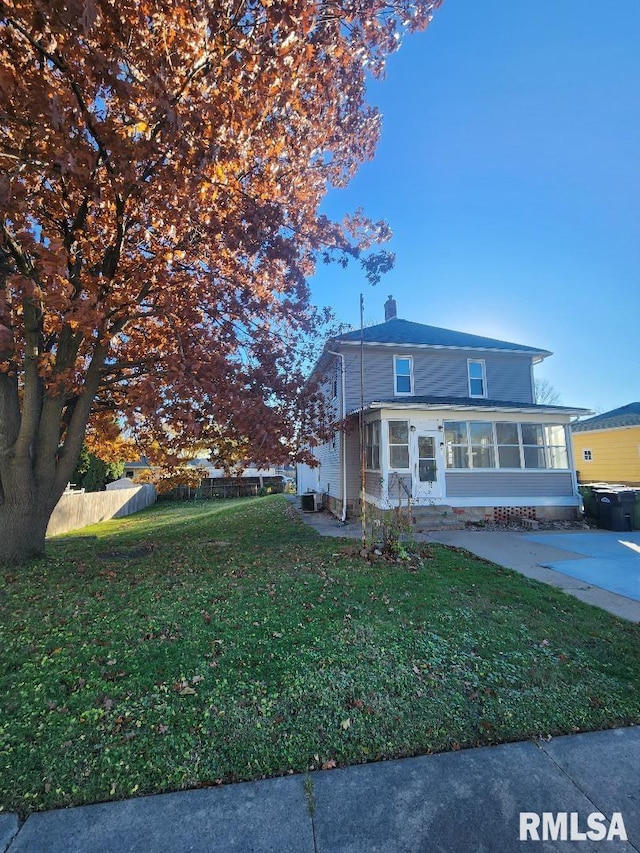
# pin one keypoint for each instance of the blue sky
(508, 170)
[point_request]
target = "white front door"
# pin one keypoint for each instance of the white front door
(427, 479)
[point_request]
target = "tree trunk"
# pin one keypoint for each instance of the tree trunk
(23, 524)
(34, 469)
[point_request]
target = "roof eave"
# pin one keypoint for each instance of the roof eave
(583, 427)
(537, 355)
(470, 407)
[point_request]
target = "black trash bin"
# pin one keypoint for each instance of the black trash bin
(615, 509)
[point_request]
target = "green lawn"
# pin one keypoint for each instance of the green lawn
(195, 644)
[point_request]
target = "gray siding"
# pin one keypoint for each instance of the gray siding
(436, 372)
(333, 404)
(373, 483)
(508, 484)
(329, 472)
(353, 465)
(400, 488)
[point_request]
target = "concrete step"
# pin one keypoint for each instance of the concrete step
(438, 524)
(428, 518)
(432, 509)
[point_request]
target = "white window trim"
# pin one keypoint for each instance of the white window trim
(481, 361)
(523, 468)
(379, 445)
(392, 468)
(397, 393)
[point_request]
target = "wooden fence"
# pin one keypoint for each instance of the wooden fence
(79, 509)
(227, 487)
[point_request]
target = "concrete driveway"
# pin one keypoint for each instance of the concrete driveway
(596, 566)
(609, 577)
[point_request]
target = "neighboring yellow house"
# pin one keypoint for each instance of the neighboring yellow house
(606, 449)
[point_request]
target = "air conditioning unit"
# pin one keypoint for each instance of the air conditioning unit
(311, 502)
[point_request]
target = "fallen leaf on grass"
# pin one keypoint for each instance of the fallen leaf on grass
(187, 691)
(162, 729)
(329, 765)
(346, 723)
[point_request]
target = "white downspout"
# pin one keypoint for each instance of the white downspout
(572, 461)
(343, 443)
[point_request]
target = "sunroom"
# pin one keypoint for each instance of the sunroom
(469, 456)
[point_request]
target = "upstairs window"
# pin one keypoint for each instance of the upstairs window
(587, 455)
(477, 377)
(403, 373)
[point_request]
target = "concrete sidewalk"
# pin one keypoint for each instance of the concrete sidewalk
(469, 800)
(327, 524)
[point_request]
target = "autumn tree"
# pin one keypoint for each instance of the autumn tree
(162, 167)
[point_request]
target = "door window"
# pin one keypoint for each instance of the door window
(427, 470)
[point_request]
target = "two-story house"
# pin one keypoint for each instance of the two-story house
(448, 419)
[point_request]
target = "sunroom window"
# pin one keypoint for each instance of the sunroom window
(372, 445)
(483, 444)
(399, 444)
(508, 442)
(456, 442)
(556, 442)
(533, 445)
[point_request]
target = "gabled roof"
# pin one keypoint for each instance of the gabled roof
(406, 333)
(625, 416)
(460, 403)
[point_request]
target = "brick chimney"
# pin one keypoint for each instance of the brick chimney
(390, 309)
